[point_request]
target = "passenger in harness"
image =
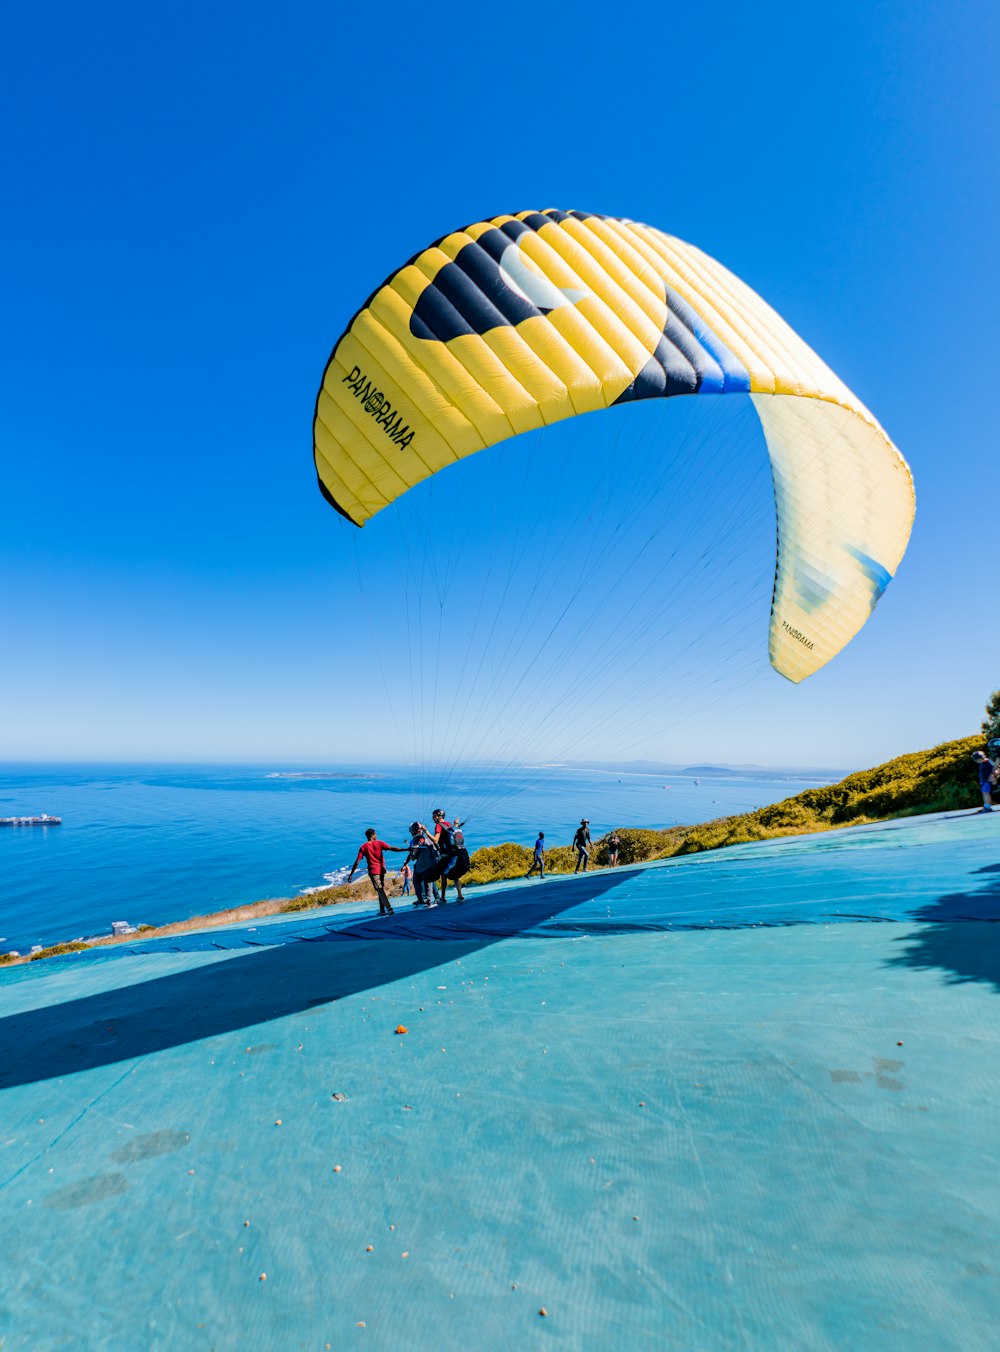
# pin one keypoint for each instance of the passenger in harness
(424, 857)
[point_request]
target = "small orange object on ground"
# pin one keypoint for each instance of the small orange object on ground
(401, 1028)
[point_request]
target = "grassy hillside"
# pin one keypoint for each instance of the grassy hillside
(923, 781)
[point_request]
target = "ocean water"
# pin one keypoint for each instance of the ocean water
(155, 843)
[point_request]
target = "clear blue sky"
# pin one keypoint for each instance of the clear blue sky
(199, 197)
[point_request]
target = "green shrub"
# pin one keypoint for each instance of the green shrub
(326, 897)
(494, 862)
(635, 845)
(560, 859)
(74, 947)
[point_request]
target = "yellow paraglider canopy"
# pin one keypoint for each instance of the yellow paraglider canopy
(517, 322)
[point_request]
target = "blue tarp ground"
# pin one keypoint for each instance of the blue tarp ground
(667, 1105)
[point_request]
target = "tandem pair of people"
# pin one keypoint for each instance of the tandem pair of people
(438, 855)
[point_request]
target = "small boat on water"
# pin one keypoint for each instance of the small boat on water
(43, 820)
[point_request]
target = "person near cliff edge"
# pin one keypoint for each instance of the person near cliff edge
(373, 852)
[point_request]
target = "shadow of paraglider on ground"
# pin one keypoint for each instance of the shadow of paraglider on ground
(268, 983)
(959, 934)
(290, 970)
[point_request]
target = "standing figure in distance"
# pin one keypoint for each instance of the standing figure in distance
(988, 776)
(613, 844)
(539, 860)
(581, 843)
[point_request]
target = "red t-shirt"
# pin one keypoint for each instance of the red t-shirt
(372, 851)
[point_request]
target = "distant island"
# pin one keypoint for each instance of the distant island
(319, 774)
(651, 767)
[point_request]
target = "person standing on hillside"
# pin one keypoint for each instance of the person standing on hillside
(613, 844)
(539, 860)
(988, 777)
(373, 852)
(581, 843)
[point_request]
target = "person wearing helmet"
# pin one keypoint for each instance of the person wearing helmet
(581, 843)
(425, 859)
(988, 776)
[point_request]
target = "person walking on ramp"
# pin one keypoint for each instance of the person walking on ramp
(373, 852)
(539, 860)
(581, 843)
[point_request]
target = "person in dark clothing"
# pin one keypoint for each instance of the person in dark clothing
(425, 859)
(373, 852)
(443, 835)
(613, 845)
(988, 776)
(442, 829)
(456, 864)
(581, 843)
(539, 860)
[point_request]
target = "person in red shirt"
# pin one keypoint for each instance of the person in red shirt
(373, 852)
